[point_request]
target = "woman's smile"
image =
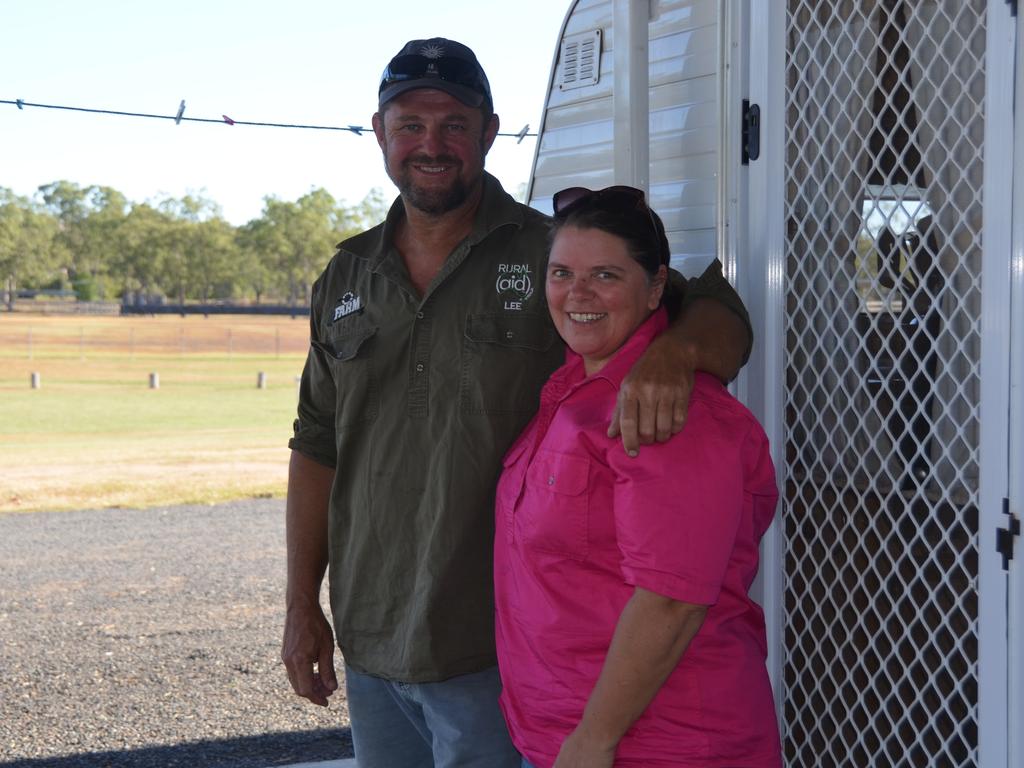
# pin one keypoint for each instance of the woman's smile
(598, 294)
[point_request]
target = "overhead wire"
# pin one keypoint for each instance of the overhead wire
(179, 117)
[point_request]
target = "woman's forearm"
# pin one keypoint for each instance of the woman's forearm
(652, 633)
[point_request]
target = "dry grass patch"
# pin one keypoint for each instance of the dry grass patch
(95, 435)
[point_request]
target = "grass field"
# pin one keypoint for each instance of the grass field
(94, 434)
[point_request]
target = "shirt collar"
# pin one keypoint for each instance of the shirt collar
(615, 370)
(497, 209)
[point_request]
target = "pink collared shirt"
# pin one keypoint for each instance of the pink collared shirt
(579, 525)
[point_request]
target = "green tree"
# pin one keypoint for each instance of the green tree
(257, 256)
(181, 247)
(108, 209)
(195, 248)
(142, 245)
(88, 219)
(27, 250)
(299, 239)
(371, 211)
(214, 260)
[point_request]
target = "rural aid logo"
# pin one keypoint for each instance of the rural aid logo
(514, 285)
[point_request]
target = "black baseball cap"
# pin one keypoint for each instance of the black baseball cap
(436, 63)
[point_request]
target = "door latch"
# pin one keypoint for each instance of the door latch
(1005, 536)
(751, 132)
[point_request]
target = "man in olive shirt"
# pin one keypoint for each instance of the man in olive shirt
(430, 340)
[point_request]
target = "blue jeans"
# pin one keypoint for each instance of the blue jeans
(456, 722)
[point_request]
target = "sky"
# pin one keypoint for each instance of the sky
(313, 62)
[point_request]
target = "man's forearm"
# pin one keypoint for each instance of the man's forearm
(309, 491)
(307, 648)
(713, 336)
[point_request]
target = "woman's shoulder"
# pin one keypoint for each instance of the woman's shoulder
(710, 399)
(728, 427)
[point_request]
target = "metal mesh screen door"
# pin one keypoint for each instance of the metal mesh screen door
(884, 134)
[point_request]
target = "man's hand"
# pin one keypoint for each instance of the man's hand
(579, 752)
(653, 398)
(308, 647)
(654, 395)
(308, 641)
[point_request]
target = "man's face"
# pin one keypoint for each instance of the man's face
(434, 148)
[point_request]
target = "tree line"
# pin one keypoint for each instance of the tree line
(95, 243)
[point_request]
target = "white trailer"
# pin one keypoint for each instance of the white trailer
(858, 167)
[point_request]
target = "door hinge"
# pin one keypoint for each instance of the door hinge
(751, 131)
(1005, 536)
(1013, 7)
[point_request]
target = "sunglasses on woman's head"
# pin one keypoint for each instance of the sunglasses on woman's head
(565, 198)
(609, 198)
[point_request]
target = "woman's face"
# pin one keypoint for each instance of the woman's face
(597, 294)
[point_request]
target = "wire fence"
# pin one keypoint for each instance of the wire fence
(119, 337)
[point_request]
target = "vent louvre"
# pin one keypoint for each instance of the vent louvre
(581, 60)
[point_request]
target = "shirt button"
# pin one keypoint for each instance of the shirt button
(551, 480)
(419, 367)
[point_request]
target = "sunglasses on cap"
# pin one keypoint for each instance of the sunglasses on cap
(446, 68)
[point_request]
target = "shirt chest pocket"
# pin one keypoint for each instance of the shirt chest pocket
(350, 359)
(554, 514)
(505, 361)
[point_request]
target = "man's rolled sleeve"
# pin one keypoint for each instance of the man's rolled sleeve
(314, 430)
(314, 442)
(711, 284)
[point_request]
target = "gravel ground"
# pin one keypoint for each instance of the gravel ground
(151, 638)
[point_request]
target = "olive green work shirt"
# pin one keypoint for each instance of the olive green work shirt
(413, 400)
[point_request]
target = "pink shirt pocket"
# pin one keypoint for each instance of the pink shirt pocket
(553, 515)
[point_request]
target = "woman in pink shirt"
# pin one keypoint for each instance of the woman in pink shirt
(626, 636)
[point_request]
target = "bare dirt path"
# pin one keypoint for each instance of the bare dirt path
(151, 638)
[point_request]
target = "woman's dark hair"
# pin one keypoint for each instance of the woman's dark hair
(619, 211)
(623, 212)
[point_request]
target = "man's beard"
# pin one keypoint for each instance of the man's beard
(433, 202)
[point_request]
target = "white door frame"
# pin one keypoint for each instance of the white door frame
(761, 280)
(994, 727)
(1015, 586)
